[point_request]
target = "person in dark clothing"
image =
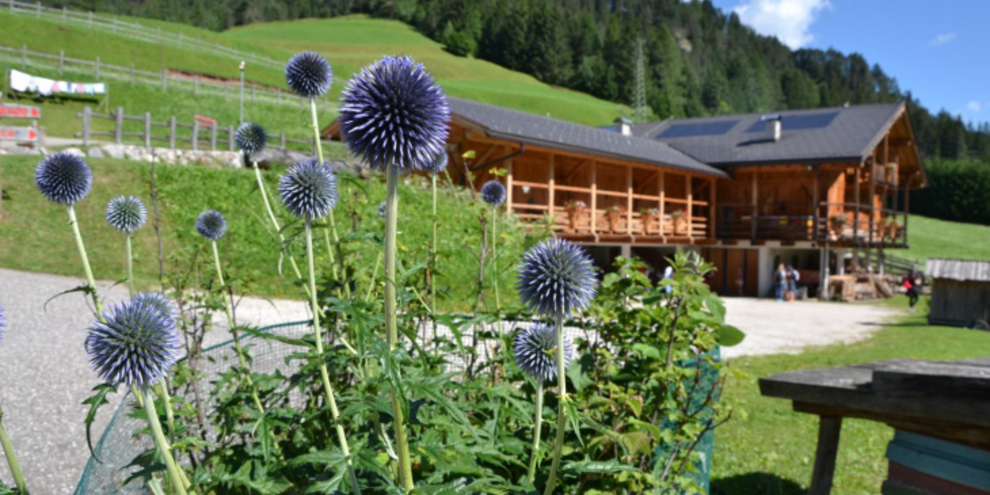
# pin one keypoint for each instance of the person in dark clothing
(911, 289)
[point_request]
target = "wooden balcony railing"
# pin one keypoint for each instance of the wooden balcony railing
(633, 226)
(834, 222)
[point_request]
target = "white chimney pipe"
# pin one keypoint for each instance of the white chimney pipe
(773, 127)
(624, 126)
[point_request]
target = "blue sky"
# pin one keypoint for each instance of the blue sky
(938, 49)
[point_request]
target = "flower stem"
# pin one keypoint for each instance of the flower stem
(324, 375)
(558, 443)
(233, 329)
(498, 305)
(374, 276)
(333, 224)
(169, 413)
(391, 328)
(130, 267)
(8, 452)
(433, 259)
(271, 216)
(537, 425)
(161, 442)
(85, 261)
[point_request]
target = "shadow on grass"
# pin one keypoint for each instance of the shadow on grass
(756, 484)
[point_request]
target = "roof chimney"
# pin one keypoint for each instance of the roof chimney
(624, 126)
(773, 126)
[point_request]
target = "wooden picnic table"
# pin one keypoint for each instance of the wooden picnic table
(948, 401)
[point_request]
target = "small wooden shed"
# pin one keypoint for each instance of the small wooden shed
(960, 292)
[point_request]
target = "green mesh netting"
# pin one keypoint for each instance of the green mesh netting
(118, 446)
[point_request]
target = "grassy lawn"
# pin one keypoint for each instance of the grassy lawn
(928, 237)
(34, 235)
(352, 42)
(770, 450)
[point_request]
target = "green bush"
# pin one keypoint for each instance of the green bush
(957, 191)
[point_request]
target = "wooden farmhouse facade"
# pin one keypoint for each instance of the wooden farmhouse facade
(813, 188)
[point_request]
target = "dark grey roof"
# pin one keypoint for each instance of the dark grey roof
(535, 130)
(961, 270)
(819, 135)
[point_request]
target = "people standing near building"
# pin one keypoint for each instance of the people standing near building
(793, 277)
(780, 282)
(910, 283)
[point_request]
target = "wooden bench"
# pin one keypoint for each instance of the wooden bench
(945, 401)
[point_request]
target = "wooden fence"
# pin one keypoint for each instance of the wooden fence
(195, 135)
(163, 79)
(135, 31)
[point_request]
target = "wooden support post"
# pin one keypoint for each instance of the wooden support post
(91, 19)
(147, 129)
(856, 196)
(907, 207)
(282, 139)
(755, 210)
(711, 209)
(551, 180)
(508, 183)
(87, 122)
(815, 208)
(829, 428)
(213, 137)
(629, 199)
(196, 85)
(37, 9)
(113, 25)
(171, 132)
(195, 135)
(661, 187)
(230, 138)
(118, 125)
(872, 210)
(690, 198)
(594, 196)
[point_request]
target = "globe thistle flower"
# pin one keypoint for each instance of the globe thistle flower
(126, 213)
(438, 164)
(308, 189)
(251, 138)
(211, 225)
(393, 112)
(534, 351)
(493, 192)
(135, 345)
(158, 301)
(308, 74)
(557, 278)
(3, 323)
(382, 209)
(63, 178)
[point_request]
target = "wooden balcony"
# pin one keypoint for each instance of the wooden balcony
(837, 223)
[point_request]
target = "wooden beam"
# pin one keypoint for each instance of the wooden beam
(711, 209)
(551, 180)
(829, 428)
(663, 194)
(570, 177)
(594, 197)
(483, 157)
(815, 208)
(629, 200)
(755, 208)
(688, 214)
(508, 184)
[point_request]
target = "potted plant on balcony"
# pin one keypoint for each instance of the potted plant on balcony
(893, 228)
(575, 209)
(613, 214)
(837, 223)
(649, 215)
(680, 222)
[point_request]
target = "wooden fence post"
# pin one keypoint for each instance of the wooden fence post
(282, 139)
(252, 93)
(118, 126)
(87, 119)
(195, 136)
(61, 62)
(37, 9)
(97, 70)
(91, 19)
(213, 137)
(147, 129)
(226, 86)
(196, 85)
(24, 56)
(63, 13)
(164, 81)
(171, 132)
(180, 39)
(230, 138)
(113, 25)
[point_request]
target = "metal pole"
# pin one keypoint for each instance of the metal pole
(241, 121)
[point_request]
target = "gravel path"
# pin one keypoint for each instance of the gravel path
(45, 375)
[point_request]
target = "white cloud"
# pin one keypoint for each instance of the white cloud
(974, 106)
(788, 20)
(942, 39)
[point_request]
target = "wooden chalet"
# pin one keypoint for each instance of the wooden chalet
(809, 188)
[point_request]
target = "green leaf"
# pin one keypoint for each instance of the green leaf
(94, 402)
(588, 466)
(729, 336)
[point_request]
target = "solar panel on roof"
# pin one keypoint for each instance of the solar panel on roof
(698, 129)
(798, 122)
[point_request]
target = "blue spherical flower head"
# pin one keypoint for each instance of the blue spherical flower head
(308, 189)
(394, 113)
(158, 301)
(382, 209)
(438, 164)
(535, 354)
(308, 74)
(251, 138)
(136, 345)
(211, 225)
(556, 278)
(493, 192)
(63, 178)
(126, 213)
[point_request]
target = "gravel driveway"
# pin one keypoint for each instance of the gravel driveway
(45, 375)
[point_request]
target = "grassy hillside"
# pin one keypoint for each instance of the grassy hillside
(353, 41)
(929, 237)
(34, 235)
